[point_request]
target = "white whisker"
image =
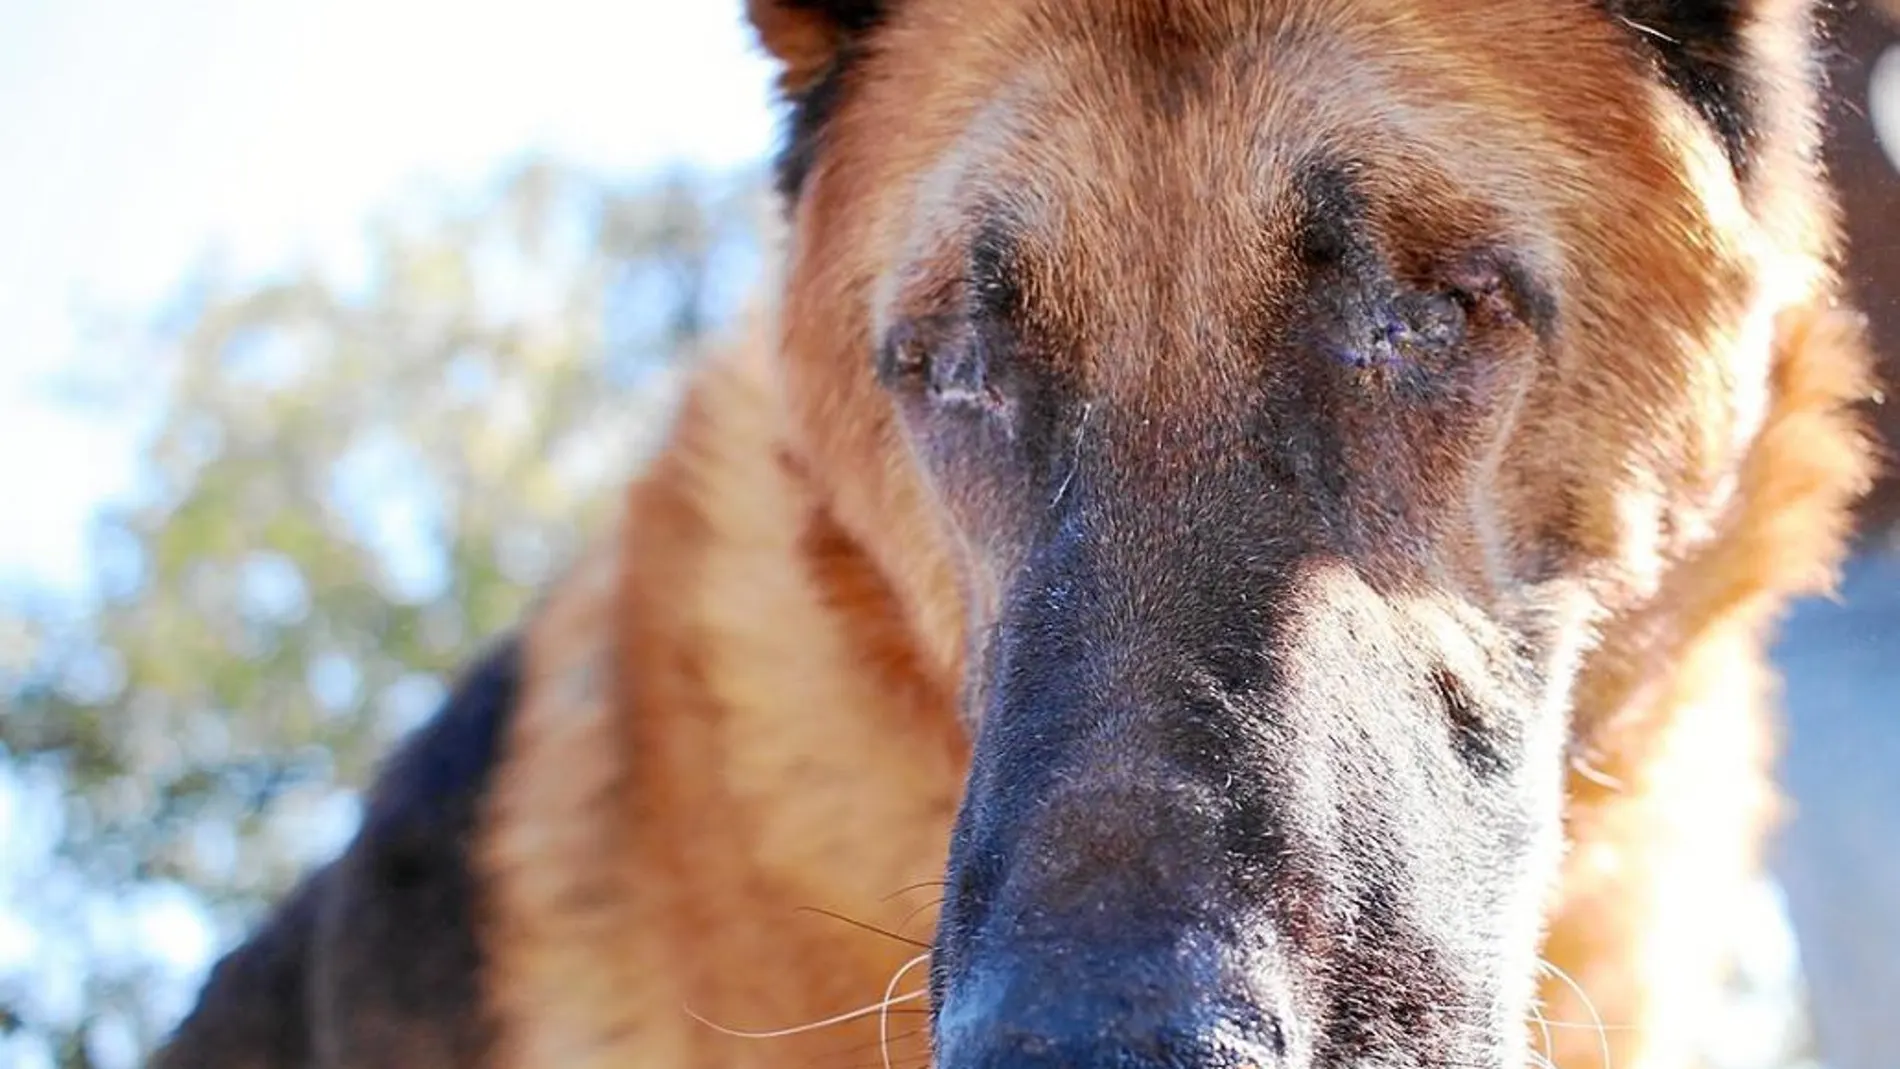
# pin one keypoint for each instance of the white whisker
(1075, 460)
(1650, 30)
(884, 1015)
(1603, 1034)
(1550, 1047)
(778, 1033)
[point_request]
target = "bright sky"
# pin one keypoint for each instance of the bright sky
(138, 136)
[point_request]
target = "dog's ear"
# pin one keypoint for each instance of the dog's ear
(813, 41)
(808, 36)
(1750, 68)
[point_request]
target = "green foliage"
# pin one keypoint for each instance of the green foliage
(347, 489)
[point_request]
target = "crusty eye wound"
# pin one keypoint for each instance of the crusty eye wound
(1366, 320)
(1378, 305)
(1399, 325)
(1400, 328)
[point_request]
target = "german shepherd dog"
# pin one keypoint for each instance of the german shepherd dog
(1259, 517)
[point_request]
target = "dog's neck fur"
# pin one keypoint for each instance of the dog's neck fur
(1675, 703)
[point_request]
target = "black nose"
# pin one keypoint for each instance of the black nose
(1110, 940)
(1087, 1010)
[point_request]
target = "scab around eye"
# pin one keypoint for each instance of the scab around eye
(1408, 329)
(1433, 320)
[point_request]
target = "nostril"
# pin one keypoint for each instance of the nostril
(1474, 735)
(1273, 1038)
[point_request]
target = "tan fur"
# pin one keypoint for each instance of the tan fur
(787, 754)
(749, 704)
(1672, 794)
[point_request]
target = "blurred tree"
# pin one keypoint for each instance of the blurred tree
(348, 488)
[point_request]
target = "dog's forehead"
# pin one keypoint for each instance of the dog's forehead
(1166, 52)
(1083, 135)
(1052, 100)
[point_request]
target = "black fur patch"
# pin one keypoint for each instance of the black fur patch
(1699, 49)
(812, 107)
(851, 16)
(252, 1012)
(805, 128)
(374, 962)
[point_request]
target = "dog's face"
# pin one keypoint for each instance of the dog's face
(1266, 406)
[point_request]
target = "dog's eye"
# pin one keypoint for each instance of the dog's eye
(904, 358)
(942, 363)
(1482, 296)
(959, 375)
(1495, 290)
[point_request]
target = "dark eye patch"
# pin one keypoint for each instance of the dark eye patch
(1364, 316)
(993, 271)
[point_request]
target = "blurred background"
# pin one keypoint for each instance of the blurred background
(331, 328)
